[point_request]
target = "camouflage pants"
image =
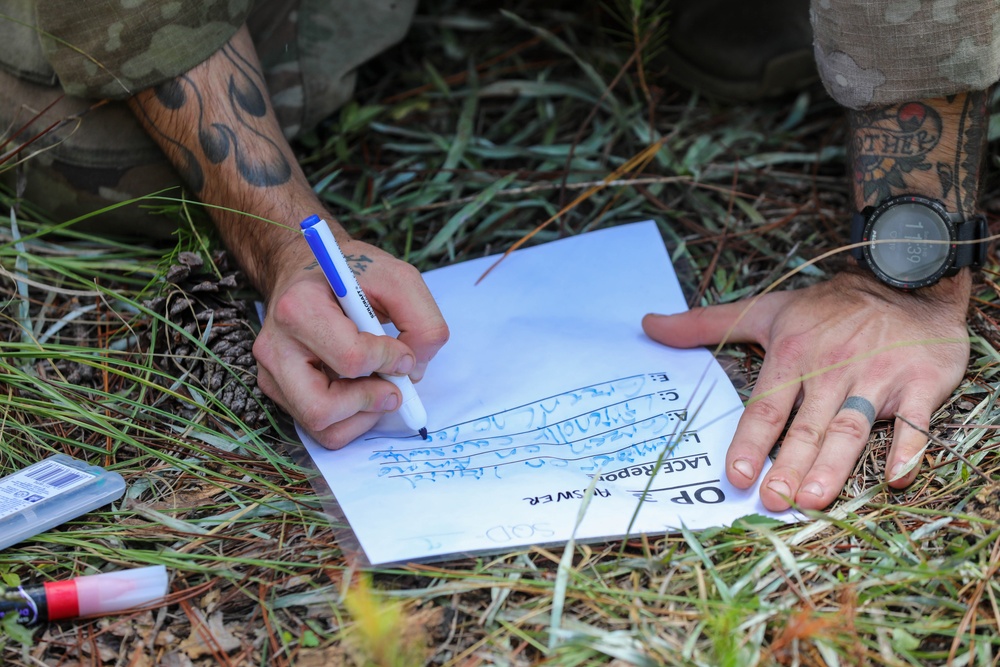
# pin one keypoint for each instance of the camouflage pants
(101, 156)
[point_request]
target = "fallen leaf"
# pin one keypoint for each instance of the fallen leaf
(196, 645)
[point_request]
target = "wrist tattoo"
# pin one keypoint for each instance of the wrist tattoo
(934, 148)
(890, 142)
(971, 152)
(224, 131)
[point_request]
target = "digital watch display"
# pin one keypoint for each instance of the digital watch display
(911, 241)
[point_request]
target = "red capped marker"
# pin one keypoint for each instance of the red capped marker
(94, 595)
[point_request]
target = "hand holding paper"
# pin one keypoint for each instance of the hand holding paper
(839, 339)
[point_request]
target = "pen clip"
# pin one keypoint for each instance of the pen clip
(315, 240)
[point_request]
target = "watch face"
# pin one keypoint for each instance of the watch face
(910, 244)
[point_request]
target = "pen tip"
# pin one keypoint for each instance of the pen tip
(423, 434)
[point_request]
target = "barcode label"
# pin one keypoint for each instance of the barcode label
(38, 483)
(55, 474)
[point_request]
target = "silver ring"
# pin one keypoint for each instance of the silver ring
(862, 405)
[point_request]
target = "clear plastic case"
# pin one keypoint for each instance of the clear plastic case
(51, 492)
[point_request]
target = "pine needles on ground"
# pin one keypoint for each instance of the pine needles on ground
(478, 127)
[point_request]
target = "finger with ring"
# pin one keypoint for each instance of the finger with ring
(862, 405)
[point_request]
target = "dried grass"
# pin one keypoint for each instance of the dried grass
(457, 147)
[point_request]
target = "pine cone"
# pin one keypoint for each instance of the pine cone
(199, 301)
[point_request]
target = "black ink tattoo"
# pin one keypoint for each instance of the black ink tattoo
(947, 177)
(263, 166)
(186, 163)
(970, 150)
(890, 142)
(358, 263)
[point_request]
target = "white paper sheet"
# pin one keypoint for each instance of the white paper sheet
(547, 381)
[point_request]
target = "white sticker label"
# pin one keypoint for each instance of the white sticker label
(37, 483)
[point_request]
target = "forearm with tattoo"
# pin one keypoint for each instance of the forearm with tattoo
(216, 125)
(227, 132)
(935, 148)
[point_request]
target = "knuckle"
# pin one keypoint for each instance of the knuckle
(836, 359)
(265, 381)
(437, 336)
(854, 426)
(353, 362)
(923, 377)
(921, 421)
(334, 441)
(768, 412)
(263, 351)
(700, 321)
(285, 310)
(791, 348)
(881, 366)
(698, 313)
(786, 474)
(409, 273)
(805, 433)
(271, 389)
(314, 418)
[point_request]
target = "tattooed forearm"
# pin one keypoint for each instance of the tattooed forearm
(184, 161)
(971, 158)
(208, 128)
(890, 143)
(216, 125)
(933, 147)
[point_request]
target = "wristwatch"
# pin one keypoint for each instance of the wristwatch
(911, 241)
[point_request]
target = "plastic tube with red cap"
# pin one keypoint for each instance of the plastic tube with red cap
(93, 595)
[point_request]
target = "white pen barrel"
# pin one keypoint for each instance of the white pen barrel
(412, 408)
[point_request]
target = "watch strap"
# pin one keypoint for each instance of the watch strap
(971, 235)
(858, 221)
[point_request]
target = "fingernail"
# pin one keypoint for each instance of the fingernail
(780, 488)
(744, 468)
(404, 365)
(813, 489)
(896, 469)
(417, 374)
(390, 403)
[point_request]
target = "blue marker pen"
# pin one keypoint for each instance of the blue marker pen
(356, 307)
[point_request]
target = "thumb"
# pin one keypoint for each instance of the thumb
(726, 323)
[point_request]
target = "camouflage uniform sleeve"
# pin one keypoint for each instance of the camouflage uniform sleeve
(114, 49)
(882, 52)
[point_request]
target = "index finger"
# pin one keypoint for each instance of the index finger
(403, 295)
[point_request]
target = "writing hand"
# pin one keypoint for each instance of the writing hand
(315, 364)
(902, 352)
